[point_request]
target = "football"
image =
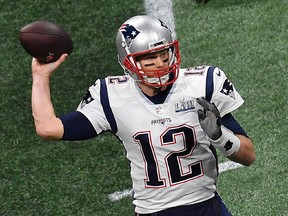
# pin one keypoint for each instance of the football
(45, 41)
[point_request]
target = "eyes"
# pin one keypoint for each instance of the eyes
(152, 56)
(153, 59)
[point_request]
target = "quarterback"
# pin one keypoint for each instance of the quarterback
(171, 120)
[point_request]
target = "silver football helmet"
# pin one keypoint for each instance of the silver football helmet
(141, 35)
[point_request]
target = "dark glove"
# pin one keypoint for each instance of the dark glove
(209, 119)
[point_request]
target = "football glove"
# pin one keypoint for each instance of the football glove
(219, 136)
(209, 119)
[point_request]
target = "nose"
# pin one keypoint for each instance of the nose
(159, 63)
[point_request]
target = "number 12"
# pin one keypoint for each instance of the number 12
(172, 160)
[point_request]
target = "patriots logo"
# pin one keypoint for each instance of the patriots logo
(87, 99)
(228, 145)
(228, 89)
(129, 32)
(164, 25)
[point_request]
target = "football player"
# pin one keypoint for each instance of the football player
(171, 120)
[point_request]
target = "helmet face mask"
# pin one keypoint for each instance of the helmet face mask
(154, 77)
(144, 35)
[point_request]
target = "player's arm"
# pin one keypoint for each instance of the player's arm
(47, 125)
(235, 145)
(245, 154)
(71, 126)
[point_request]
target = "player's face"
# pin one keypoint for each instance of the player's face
(154, 61)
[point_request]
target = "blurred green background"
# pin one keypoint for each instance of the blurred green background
(246, 39)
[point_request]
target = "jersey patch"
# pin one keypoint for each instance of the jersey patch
(228, 89)
(87, 99)
(184, 105)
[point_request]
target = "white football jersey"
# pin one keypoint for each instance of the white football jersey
(171, 162)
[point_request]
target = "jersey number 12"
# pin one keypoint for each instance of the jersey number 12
(172, 160)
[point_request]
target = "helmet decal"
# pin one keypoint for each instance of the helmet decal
(129, 32)
(164, 25)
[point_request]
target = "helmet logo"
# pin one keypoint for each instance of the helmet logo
(129, 32)
(164, 25)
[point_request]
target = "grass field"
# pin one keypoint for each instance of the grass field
(247, 39)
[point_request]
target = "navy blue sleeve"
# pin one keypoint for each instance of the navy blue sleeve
(77, 127)
(230, 122)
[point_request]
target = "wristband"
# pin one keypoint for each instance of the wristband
(228, 144)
